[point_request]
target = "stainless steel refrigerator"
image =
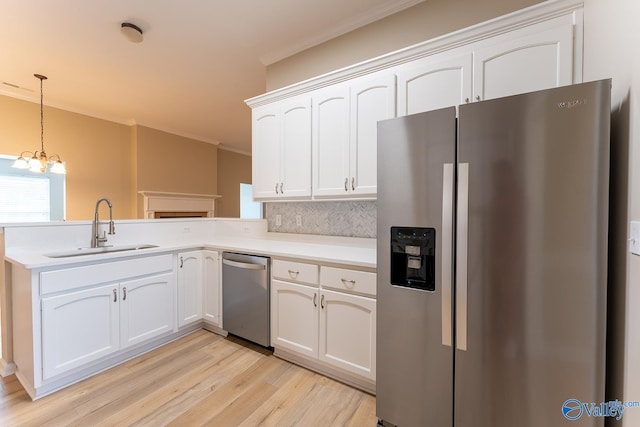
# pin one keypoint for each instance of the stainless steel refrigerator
(492, 261)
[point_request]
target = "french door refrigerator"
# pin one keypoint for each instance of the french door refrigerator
(491, 261)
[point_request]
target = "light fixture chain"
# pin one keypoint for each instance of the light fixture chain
(41, 117)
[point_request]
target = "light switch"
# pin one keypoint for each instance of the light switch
(634, 246)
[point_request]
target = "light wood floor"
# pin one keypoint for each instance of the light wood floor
(201, 379)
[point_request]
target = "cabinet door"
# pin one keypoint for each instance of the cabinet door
(348, 332)
(331, 141)
(531, 59)
(147, 308)
(443, 80)
(295, 171)
(78, 328)
(211, 283)
(371, 100)
(294, 318)
(266, 152)
(189, 287)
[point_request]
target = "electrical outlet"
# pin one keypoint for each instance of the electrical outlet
(298, 220)
(278, 220)
(634, 247)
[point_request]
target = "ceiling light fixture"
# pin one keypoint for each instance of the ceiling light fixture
(132, 32)
(38, 160)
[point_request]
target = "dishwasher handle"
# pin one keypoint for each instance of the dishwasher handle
(245, 265)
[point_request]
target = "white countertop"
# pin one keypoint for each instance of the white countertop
(324, 249)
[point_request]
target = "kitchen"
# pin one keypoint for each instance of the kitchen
(602, 58)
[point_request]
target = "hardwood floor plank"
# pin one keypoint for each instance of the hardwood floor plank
(200, 379)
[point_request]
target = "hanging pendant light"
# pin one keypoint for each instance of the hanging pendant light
(38, 160)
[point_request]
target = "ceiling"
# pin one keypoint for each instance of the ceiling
(199, 61)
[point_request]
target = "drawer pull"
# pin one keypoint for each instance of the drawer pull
(293, 273)
(348, 283)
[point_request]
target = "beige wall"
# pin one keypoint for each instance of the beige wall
(414, 25)
(611, 37)
(167, 162)
(96, 152)
(233, 169)
(107, 159)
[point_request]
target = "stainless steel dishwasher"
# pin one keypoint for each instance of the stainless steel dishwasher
(245, 297)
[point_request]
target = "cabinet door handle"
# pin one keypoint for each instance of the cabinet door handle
(466, 100)
(315, 300)
(277, 188)
(346, 184)
(281, 190)
(115, 295)
(322, 301)
(478, 98)
(124, 294)
(353, 184)
(181, 262)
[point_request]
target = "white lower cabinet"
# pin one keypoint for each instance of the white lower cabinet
(348, 332)
(211, 287)
(82, 326)
(189, 287)
(78, 328)
(199, 293)
(337, 329)
(294, 317)
(147, 309)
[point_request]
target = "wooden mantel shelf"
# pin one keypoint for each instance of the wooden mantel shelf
(166, 202)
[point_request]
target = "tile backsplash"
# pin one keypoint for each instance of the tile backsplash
(343, 218)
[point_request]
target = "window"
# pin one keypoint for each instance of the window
(248, 208)
(29, 197)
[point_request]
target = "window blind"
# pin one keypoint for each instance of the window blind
(24, 199)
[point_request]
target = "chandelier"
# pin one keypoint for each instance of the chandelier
(38, 160)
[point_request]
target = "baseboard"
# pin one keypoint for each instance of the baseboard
(7, 368)
(317, 366)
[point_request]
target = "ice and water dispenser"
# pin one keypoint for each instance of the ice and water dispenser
(413, 253)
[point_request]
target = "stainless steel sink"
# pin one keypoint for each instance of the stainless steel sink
(101, 250)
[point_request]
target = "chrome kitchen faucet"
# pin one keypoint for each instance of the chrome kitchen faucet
(96, 240)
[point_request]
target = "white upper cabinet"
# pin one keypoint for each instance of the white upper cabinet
(537, 48)
(282, 143)
(440, 81)
(372, 100)
(331, 141)
(533, 58)
(345, 120)
(266, 152)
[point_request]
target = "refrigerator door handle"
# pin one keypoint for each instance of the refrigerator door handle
(462, 242)
(447, 241)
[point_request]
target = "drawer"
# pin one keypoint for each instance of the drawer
(341, 279)
(295, 271)
(106, 272)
